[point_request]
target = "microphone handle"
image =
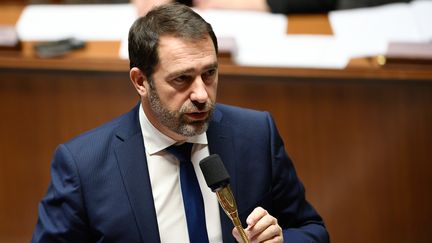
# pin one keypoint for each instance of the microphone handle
(227, 201)
(237, 224)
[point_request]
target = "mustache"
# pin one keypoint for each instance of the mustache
(197, 107)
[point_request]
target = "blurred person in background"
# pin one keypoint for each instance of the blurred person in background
(272, 6)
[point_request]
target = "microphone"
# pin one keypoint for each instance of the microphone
(217, 178)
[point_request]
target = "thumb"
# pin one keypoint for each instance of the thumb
(236, 235)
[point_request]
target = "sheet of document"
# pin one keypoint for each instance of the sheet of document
(299, 51)
(367, 31)
(234, 23)
(86, 22)
(237, 24)
(261, 40)
(422, 13)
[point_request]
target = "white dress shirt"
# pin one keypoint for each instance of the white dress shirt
(165, 182)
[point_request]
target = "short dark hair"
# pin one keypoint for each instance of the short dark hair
(172, 19)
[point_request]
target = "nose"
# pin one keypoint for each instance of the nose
(199, 91)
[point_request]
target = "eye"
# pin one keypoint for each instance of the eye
(182, 79)
(209, 75)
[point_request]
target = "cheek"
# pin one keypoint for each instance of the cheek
(174, 101)
(212, 91)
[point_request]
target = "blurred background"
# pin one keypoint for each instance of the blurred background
(350, 88)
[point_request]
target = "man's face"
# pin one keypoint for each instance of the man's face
(180, 99)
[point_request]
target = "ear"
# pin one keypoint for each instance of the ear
(139, 81)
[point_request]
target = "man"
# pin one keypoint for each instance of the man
(120, 182)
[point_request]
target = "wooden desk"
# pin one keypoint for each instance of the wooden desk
(360, 137)
(103, 56)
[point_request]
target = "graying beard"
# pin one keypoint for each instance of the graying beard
(166, 117)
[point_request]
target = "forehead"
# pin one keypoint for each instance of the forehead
(180, 51)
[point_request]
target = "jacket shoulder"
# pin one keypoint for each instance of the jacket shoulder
(101, 137)
(239, 114)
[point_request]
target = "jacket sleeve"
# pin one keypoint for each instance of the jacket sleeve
(301, 6)
(299, 220)
(61, 212)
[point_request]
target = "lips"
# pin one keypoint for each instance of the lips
(197, 116)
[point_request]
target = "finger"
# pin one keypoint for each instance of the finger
(263, 224)
(273, 233)
(236, 235)
(255, 216)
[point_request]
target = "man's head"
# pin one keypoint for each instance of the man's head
(171, 19)
(173, 61)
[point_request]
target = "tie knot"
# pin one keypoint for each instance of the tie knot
(181, 152)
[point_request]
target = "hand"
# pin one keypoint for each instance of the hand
(257, 5)
(262, 227)
(143, 6)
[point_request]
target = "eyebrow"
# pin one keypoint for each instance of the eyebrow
(188, 70)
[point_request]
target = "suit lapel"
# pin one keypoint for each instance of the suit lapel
(133, 166)
(220, 142)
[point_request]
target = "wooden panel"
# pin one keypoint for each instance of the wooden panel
(317, 24)
(38, 111)
(360, 147)
(103, 56)
(10, 12)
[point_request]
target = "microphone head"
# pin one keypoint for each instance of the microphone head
(214, 172)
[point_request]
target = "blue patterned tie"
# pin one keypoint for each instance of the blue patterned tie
(192, 197)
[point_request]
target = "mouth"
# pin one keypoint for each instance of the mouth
(197, 116)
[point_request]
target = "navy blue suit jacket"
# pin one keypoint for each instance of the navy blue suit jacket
(100, 188)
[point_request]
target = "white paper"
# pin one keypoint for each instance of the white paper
(87, 22)
(422, 12)
(124, 51)
(262, 41)
(389, 22)
(299, 51)
(234, 23)
(367, 31)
